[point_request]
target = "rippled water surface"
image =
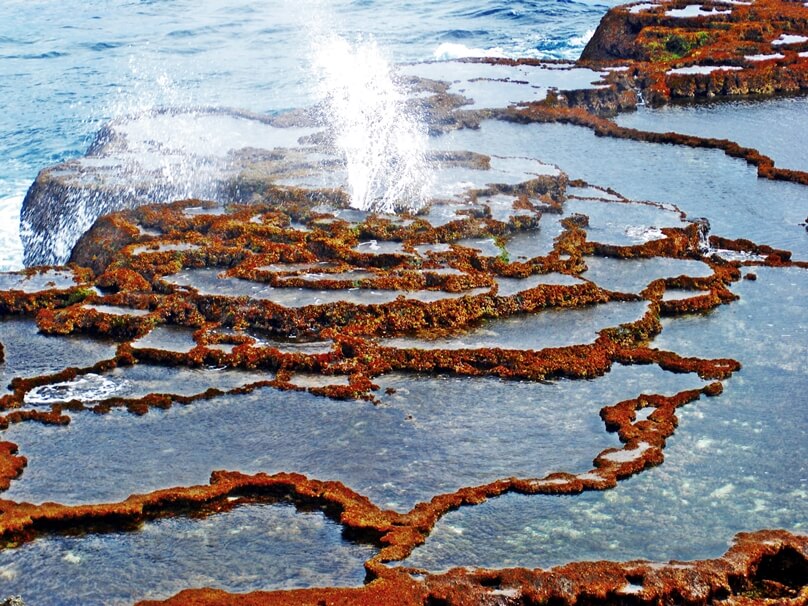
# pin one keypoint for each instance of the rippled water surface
(65, 68)
(407, 449)
(28, 353)
(735, 463)
(266, 547)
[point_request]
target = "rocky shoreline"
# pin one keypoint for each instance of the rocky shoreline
(257, 259)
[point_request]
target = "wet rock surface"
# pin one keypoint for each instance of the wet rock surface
(227, 304)
(277, 270)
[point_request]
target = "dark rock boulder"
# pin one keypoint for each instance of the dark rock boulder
(615, 38)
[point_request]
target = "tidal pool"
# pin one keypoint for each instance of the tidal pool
(497, 86)
(775, 127)
(558, 327)
(264, 546)
(633, 275)
(737, 462)
(408, 448)
(208, 282)
(701, 182)
(624, 224)
(144, 379)
(29, 353)
(38, 282)
(525, 245)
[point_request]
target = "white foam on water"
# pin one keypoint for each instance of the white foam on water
(583, 39)
(10, 243)
(87, 388)
(383, 143)
(453, 50)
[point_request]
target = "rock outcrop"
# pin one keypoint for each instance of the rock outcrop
(679, 50)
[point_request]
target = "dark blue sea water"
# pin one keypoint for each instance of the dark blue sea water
(66, 67)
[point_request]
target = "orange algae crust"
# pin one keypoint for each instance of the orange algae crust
(138, 282)
(282, 239)
(136, 294)
(766, 567)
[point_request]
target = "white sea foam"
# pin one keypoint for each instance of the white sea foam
(87, 388)
(383, 142)
(453, 50)
(583, 39)
(10, 243)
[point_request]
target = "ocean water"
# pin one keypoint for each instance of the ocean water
(736, 463)
(68, 67)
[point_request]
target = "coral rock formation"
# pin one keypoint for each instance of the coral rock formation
(252, 276)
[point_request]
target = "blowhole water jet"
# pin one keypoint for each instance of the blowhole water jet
(383, 142)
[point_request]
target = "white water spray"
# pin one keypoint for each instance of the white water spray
(383, 143)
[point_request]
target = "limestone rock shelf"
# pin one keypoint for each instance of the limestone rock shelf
(533, 336)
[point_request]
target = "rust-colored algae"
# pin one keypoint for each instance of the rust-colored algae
(657, 45)
(124, 290)
(135, 281)
(240, 249)
(764, 568)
